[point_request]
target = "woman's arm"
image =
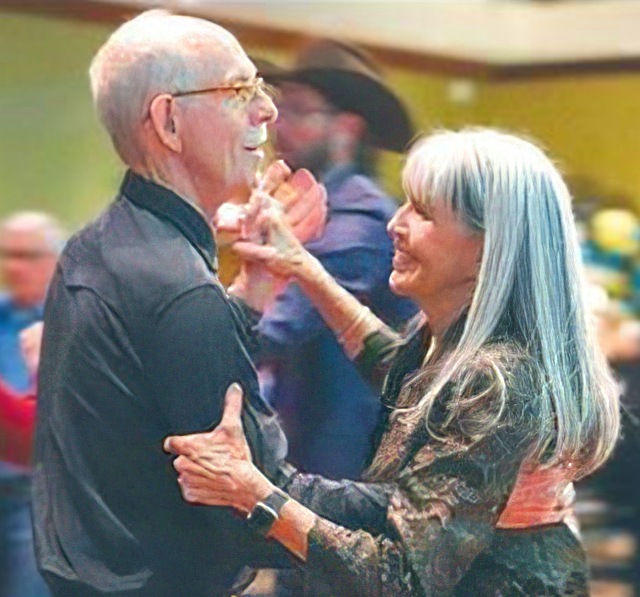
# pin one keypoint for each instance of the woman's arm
(286, 257)
(442, 515)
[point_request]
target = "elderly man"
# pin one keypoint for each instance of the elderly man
(29, 246)
(335, 110)
(140, 338)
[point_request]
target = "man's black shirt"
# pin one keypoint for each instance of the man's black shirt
(141, 341)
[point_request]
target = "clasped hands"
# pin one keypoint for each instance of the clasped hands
(284, 212)
(215, 468)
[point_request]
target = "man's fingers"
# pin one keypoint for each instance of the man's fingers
(305, 205)
(232, 415)
(276, 174)
(290, 192)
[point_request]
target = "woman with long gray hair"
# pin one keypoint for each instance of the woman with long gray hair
(496, 400)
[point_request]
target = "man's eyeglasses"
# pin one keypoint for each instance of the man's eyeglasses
(245, 92)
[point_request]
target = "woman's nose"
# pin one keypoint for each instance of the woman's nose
(395, 222)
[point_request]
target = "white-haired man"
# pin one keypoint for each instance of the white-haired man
(140, 339)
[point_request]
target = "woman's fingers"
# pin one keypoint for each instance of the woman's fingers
(179, 444)
(232, 415)
(252, 252)
(227, 437)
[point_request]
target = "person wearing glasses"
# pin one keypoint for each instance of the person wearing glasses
(495, 402)
(29, 246)
(140, 338)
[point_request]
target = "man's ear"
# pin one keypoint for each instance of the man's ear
(347, 130)
(165, 121)
(351, 123)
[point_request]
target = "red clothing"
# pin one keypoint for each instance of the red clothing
(17, 420)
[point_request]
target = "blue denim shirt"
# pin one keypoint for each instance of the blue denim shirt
(13, 319)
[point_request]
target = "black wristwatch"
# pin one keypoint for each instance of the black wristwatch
(266, 512)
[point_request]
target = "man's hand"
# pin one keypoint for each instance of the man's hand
(298, 204)
(301, 198)
(305, 205)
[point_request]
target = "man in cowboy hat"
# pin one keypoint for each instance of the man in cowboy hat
(335, 110)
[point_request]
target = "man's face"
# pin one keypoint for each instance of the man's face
(27, 263)
(224, 130)
(303, 129)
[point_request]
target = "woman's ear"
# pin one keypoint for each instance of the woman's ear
(165, 121)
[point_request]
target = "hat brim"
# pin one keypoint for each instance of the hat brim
(389, 123)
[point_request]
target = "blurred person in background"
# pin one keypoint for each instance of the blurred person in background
(30, 243)
(29, 246)
(335, 112)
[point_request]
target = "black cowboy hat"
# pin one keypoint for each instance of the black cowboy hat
(350, 80)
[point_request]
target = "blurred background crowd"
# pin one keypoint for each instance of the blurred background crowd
(567, 74)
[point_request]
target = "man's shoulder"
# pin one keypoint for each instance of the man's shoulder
(129, 253)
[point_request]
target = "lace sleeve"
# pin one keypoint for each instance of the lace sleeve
(441, 517)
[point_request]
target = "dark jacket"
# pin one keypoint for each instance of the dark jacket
(141, 341)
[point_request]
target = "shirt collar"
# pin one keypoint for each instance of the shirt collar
(168, 205)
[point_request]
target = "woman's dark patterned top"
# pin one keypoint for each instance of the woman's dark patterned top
(439, 535)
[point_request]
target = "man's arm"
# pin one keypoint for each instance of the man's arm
(196, 353)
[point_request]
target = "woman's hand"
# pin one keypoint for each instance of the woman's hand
(299, 205)
(215, 468)
(279, 250)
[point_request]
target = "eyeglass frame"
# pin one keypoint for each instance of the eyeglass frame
(258, 84)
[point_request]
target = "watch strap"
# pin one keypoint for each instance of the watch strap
(275, 500)
(266, 512)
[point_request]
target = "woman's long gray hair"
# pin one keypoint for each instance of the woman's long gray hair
(530, 284)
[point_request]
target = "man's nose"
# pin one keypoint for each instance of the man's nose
(265, 110)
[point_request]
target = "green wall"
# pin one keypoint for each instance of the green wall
(54, 156)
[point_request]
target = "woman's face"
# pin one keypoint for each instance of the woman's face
(436, 257)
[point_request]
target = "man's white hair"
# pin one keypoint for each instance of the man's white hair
(154, 53)
(52, 233)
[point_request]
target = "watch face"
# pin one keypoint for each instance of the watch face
(262, 518)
